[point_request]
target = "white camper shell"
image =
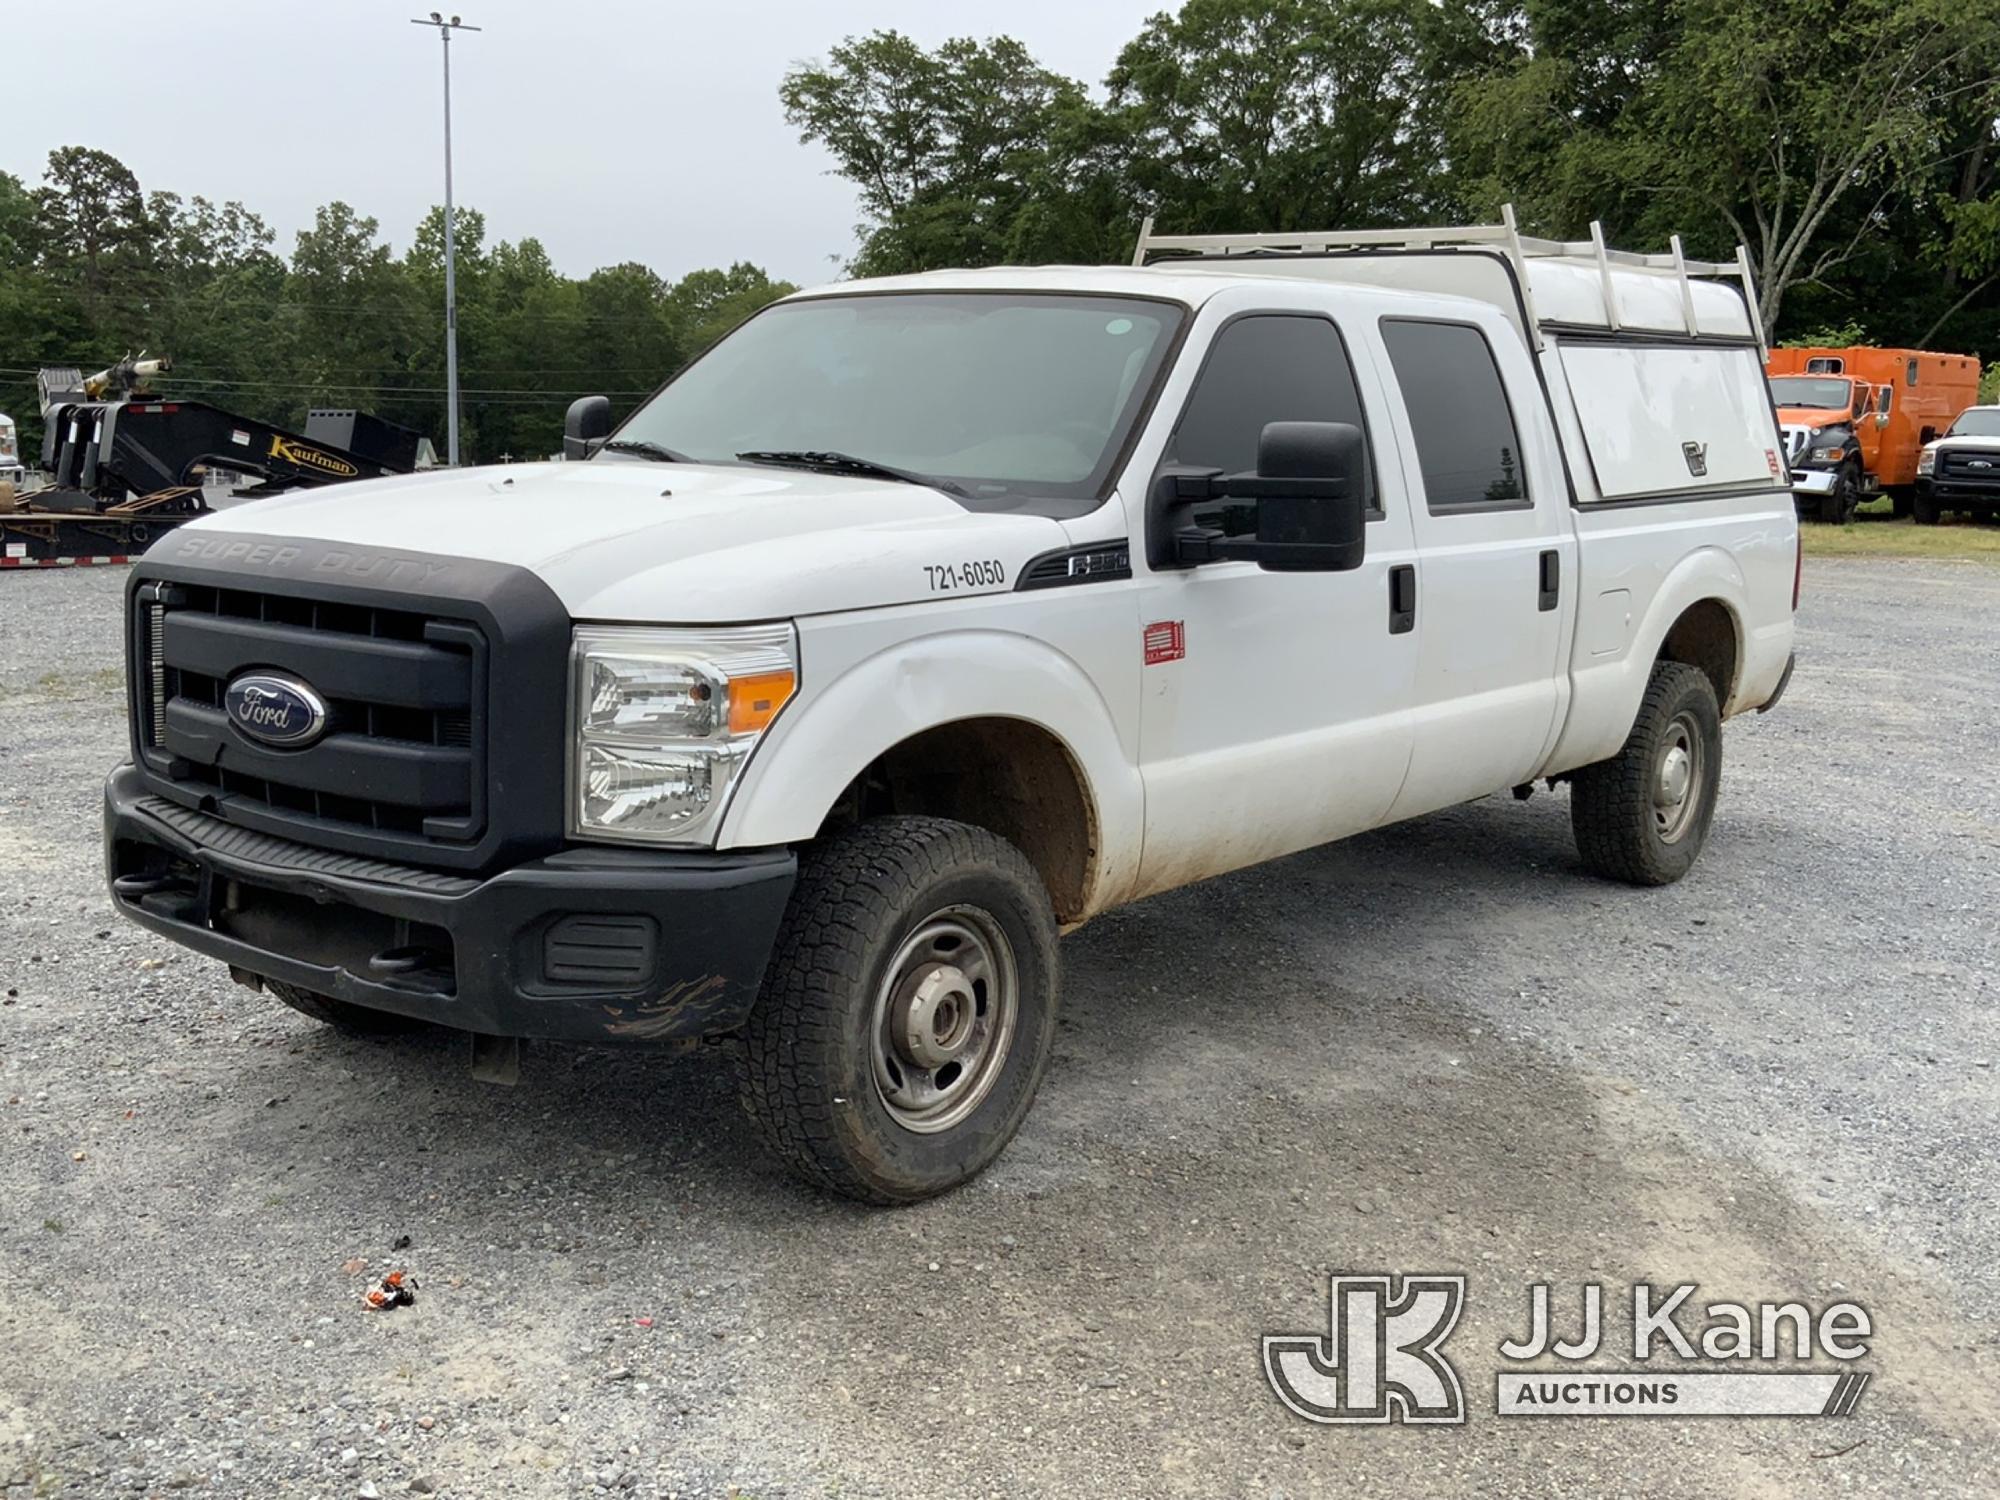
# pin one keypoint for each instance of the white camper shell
(924, 618)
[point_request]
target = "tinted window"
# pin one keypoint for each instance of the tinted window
(1466, 443)
(1267, 369)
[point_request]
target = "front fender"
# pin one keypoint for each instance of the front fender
(875, 702)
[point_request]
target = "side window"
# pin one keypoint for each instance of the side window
(1467, 446)
(1269, 367)
(1864, 398)
(1888, 399)
(1910, 373)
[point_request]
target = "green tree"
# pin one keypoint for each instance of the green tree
(704, 305)
(91, 223)
(1793, 127)
(946, 149)
(1276, 115)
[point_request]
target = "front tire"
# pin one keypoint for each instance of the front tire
(1925, 509)
(1837, 505)
(1642, 817)
(906, 1018)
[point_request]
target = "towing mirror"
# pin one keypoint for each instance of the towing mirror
(586, 425)
(1311, 512)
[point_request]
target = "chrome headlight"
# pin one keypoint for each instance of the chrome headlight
(661, 720)
(1927, 461)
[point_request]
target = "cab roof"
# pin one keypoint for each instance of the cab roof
(1192, 285)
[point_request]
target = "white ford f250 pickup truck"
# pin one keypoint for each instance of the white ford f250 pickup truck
(921, 619)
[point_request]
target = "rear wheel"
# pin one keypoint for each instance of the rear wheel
(906, 1019)
(1642, 817)
(342, 1015)
(1901, 498)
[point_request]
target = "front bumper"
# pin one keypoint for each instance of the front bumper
(1959, 492)
(1814, 481)
(597, 945)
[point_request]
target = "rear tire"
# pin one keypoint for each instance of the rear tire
(1901, 498)
(906, 1018)
(1642, 817)
(1925, 509)
(342, 1015)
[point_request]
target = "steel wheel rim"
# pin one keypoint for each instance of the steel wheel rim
(1677, 779)
(944, 1019)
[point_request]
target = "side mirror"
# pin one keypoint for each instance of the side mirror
(1311, 510)
(586, 425)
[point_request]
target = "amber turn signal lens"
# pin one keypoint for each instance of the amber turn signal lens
(754, 701)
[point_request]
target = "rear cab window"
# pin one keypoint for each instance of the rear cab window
(1468, 448)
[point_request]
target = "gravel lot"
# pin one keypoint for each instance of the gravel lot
(1435, 1048)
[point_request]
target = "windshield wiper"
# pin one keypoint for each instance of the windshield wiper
(658, 452)
(847, 463)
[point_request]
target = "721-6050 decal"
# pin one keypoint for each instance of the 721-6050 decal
(974, 574)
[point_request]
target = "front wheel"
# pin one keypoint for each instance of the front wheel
(1642, 816)
(1925, 509)
(907, 1016)
(1836, 506)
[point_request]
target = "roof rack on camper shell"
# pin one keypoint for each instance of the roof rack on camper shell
(1562, 283)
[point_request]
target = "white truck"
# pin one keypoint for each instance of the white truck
(1961, 470)
(923, 619)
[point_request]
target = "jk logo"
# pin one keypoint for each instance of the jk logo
(1380, 1360)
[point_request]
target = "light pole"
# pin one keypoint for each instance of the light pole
(444, 30)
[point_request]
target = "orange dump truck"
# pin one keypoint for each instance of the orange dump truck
(1854, 420)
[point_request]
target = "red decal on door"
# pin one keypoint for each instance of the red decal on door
(1771, 458)
(1166, 640)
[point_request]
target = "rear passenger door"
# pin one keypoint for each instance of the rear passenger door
(1496, 557)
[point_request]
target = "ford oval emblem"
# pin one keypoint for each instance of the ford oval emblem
(277, 710)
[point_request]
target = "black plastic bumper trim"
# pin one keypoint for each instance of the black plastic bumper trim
(717, 916)
(1783, 682)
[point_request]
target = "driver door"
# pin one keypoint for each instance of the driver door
(1275, 705)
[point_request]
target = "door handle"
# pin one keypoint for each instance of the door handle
(1402, 599)
(1551, 580)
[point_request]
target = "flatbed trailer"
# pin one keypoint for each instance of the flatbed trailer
(127, 467)
(60, 528)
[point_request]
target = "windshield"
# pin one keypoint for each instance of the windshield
(1810, 390)
(1012, 396)
(1980, 421)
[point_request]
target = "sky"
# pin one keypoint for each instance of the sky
(612, 130)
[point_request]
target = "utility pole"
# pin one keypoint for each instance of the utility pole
(444, 30)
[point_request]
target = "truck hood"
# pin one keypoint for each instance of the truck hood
(1814, 417)
(1969, 443)
(673, 543)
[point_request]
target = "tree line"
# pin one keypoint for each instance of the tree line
(1848, 144)
(93, 269)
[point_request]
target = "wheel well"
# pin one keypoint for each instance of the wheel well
(1007, 776)
(1705, 637)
